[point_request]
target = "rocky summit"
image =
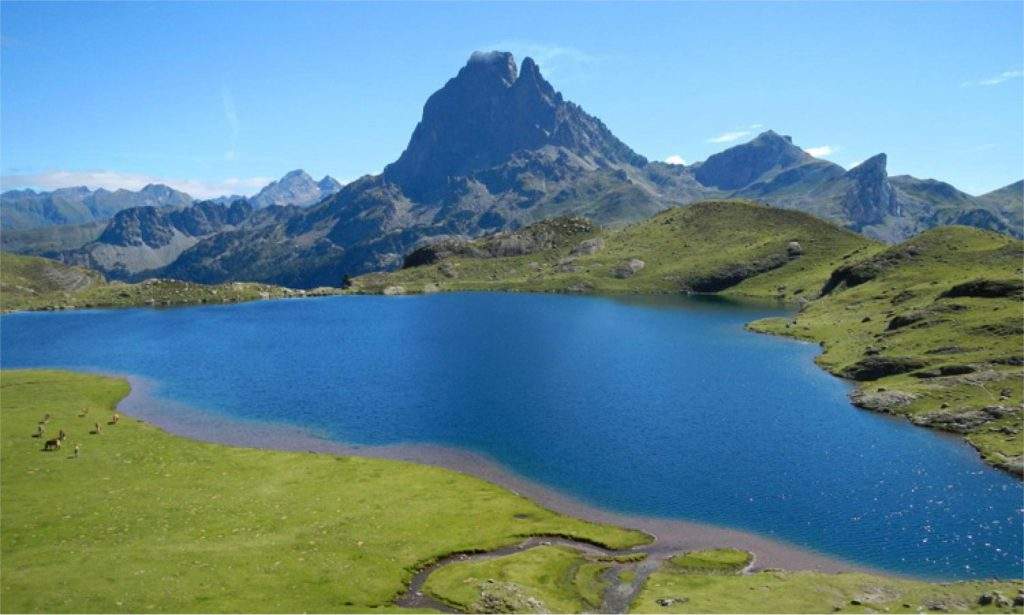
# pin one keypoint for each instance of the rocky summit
(498, 148)
(295, 188)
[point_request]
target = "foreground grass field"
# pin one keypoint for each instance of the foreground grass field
(34, 283)
(145, 521)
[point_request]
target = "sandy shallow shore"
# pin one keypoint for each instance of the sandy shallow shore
(671, 535)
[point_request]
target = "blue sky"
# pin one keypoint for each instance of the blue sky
(221, 97)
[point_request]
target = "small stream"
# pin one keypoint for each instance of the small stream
(617, 596)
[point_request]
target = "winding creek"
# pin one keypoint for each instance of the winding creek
(658, 410)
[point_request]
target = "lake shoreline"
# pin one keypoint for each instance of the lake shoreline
(671, 535)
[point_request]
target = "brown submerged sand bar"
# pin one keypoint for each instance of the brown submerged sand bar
(671, 535)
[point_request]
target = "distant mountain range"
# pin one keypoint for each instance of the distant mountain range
(25, 209)
(498, 148)
(28, 209)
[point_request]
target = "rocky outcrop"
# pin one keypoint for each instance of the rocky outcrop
(629, 268)
(848, 276)
(588, 247)
(882, 401)
(959, 421)
(875, 367)
(1012, 289)
(731, 275)
(534, 238)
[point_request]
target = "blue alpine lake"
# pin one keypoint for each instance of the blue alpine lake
(655, 406)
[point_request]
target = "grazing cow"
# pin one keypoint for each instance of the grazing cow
(62, 435)
(46, 419)
(52, 445)
(78, 447)
(83, 412)
(96, 429)
(114, 419)
(39, 431)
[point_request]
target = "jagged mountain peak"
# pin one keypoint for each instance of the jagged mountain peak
(497, 65)
(296, 175)
(295, 188)
(329, 185)
(770, 136)
(485, 114)
(872, 167)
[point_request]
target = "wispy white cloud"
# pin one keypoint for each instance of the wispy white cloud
(756, 126)
(1002, 77)
(231, 117)
(553, 59)
(729, 137)
(675, 159)
(112, 180)
(822, 151)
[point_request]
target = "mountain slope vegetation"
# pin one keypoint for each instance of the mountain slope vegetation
(34, 283)
(734, 247)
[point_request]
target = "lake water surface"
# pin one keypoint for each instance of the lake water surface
(653, 406)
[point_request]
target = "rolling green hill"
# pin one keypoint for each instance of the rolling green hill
(732, 247)
(930, 329)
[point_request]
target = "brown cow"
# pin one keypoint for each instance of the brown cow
(52, 445)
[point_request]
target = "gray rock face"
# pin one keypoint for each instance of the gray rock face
(870, 197)
(881, 401)
(490, 111)
(145, 238)
(295, 188)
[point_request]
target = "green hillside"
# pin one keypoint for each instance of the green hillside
(34, 283)
(931, 329)
(733, 247)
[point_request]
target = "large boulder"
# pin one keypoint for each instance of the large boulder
(590, 246)
(988, 289)
(629, 268)
(873, 368)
